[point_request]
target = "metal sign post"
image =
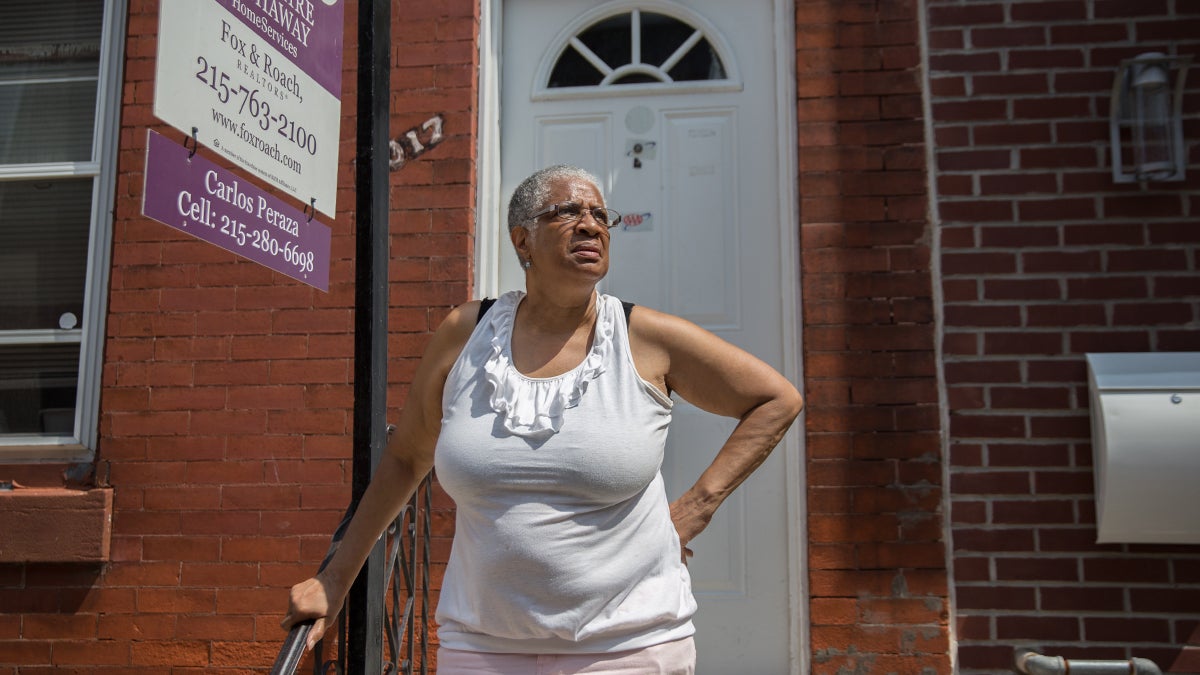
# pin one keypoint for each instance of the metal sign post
(366, 602)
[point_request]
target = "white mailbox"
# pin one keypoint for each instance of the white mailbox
(1146, 446)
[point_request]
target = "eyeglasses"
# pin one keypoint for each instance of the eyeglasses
(569, 213)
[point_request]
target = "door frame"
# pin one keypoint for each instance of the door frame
(490, 245)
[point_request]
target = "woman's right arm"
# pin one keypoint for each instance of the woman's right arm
(407, 460)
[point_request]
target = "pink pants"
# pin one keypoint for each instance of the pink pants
(672, 658)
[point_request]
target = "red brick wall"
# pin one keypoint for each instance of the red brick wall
(877, 569)
(1043, 259)
(433, 231)
(227, 389)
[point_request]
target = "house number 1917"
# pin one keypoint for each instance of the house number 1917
(409, 145)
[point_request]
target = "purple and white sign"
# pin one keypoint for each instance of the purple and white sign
(307, 32)
(196, 196)
(260, 82)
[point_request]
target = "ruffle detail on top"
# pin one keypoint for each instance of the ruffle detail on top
(533, 407)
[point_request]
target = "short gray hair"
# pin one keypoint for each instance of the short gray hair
(533, 192)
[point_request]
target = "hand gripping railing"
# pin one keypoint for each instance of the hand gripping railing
(293, 645)
(407, 537)
(1031, 663)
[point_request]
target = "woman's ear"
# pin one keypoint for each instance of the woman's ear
(522, 241)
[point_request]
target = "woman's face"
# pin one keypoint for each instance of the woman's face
(556, 246)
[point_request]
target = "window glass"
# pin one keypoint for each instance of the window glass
(49, 61)
(43, 251)
(669, 50)
(572, 70)
(31, 135)
(50, 68)
(700, 63)
(54, 26)
(661, 36)
(38, 388)
(610, 40)
(636, 78)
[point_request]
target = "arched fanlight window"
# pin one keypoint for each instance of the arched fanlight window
(638, 47)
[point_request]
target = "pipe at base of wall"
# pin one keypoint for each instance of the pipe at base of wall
(1032, 663)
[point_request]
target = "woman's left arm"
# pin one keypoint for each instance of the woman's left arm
(720, 378)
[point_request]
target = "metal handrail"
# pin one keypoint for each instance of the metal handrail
(400, 627)
(407, 537)
(1032, 663)
(292, 650)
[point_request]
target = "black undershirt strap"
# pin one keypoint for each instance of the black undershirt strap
(484, 305)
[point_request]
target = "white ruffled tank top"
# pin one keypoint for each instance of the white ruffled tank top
(563, 536)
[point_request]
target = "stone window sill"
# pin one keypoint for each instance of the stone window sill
(55, 525)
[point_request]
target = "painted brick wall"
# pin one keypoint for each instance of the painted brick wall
(877, 570)
(1043, 259)
(227, 389)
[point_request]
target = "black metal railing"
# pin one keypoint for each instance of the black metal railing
(404, 602)
(406, 632)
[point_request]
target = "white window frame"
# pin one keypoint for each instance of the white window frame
(81, 445)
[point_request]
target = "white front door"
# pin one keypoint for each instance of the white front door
(693, 163)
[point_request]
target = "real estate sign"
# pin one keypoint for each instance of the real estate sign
(258, 81)
(196, 196)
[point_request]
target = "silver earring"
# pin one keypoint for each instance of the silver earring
(527, 264)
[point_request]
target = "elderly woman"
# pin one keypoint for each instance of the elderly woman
(546, 416)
